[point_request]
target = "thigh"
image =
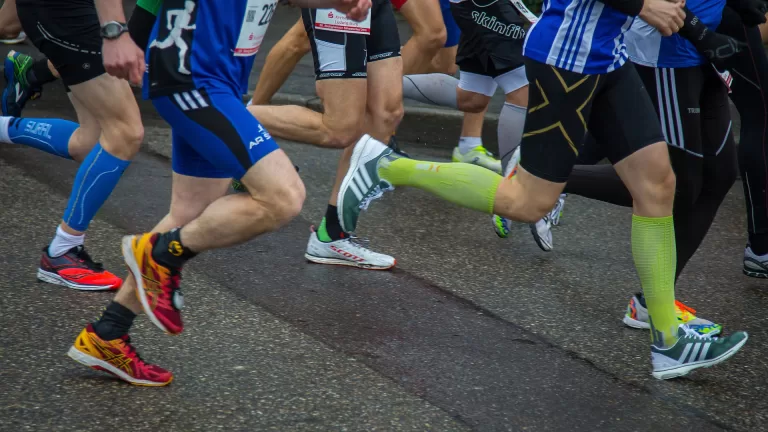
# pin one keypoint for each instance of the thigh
(385, 84)
(623, 118)
(219, 128)
(423, 16)
(335, 54)
(716, 123)
(191, 195)
(109, 100)
(68, 35)
(384, 41)
(187, 161)
(559, 109)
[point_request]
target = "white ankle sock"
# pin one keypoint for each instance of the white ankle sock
(468, 143)
(63, 242)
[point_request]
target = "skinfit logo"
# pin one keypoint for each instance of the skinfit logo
(492, 23)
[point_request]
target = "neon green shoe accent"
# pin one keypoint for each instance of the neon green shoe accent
(478, 156)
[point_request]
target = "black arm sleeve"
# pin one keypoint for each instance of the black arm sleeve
(629, 7)
(693, 29)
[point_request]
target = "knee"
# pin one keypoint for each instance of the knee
(342, 138)
(471, 102)
(389, 114)
(123, 138)
(287, 201)
(659, 187)
(431, 40)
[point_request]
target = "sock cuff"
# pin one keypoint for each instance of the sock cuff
(4, 124)
(516, 107)
(101, 152)
(666, 220)
(65, 235)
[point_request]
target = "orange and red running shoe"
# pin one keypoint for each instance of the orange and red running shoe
(117, 357)
(75, 269)
(157, 286)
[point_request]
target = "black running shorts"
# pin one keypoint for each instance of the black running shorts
(340, 55)
(614, 107)
(67, 32)
(492, 36)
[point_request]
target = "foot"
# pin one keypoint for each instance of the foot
(693, 351)
(395, 146)
(501, 224)
(75, 269)
(346, 252)
(362, 183)
(21, 37)
(117, 357)
(478, 156)
(637, 317)
(157, 286)
(542, 230)
(17, 89)
(755, 265)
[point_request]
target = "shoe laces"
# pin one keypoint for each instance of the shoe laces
(691, 333)
(84, 258)
(131, 350)
(554, 215)
(375, 193)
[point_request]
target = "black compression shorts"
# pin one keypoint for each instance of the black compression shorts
(340, 55)
(67, 32)
(563, 105)
(492, 36)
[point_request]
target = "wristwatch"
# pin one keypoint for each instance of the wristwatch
(113, 30)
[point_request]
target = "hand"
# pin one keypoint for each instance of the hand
(751, 12)
(718, 47)
(123, 59)
(667, 17)
(356, 10)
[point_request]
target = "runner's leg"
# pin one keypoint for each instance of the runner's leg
(280, 62)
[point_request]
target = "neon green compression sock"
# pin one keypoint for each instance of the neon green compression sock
(151, 6)
(464, 184)
(653, 248)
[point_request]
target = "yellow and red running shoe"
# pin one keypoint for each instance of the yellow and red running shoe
(157, 286)
(117, 357)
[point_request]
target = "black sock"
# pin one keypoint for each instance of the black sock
(115, 322)
(169, 251)
(332, 225)
(759, 243)
(39, 74)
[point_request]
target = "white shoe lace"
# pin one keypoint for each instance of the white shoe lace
(554, 215)
(689, 332)
(375, 193)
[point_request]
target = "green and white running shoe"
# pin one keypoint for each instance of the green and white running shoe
(693, 351)
(362, 183)
(478, 156)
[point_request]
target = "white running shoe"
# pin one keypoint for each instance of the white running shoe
(542, 230)
(501, 224)
(755, 265)
(478, 156)
(346, 252)
(17, 40)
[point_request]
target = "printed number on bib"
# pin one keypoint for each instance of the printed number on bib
(258, 13)
(333, 20)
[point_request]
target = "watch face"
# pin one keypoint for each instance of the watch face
(112, 30)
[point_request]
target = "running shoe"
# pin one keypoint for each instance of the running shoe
(395, 146)
(347, 252)
(755, 265)
(501, 224)
(117, 357)
(17, 89)
(478, 156)
(75, 269)
(693, 351)
(157, 286)
(542, 230)
(637, 317)
(362, 183)
(21, 37)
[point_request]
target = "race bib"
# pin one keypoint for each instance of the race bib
(725, 77)
(333, 20)
(258, 14)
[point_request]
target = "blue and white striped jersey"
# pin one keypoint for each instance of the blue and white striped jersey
(584, 36)
(646, 46)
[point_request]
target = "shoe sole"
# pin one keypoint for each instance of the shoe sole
(53, 278)
(133, 267)
(537, 239)
(497, 228)
(340, 262)
(683, 370)
(100, 365)
(631, 322)
(755, 274)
